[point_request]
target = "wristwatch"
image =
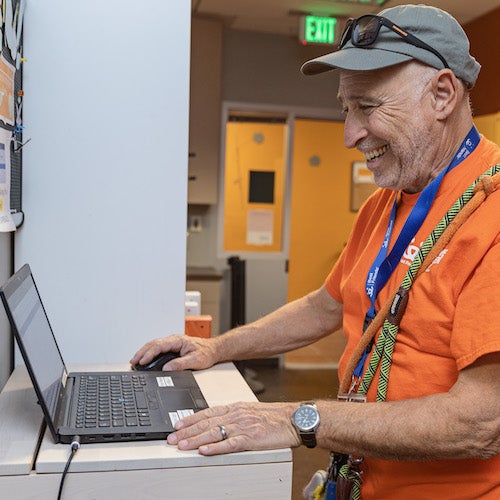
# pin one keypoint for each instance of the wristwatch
(306, 420)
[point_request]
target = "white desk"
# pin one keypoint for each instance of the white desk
(139, 470)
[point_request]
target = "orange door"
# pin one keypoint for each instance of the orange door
(253, 225)
(321, 220)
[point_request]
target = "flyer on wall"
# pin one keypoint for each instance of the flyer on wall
(6, 222)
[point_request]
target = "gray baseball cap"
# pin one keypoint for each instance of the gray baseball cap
(433, 26)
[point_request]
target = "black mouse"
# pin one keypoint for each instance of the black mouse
(157, 362)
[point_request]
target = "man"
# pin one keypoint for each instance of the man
(433, 431)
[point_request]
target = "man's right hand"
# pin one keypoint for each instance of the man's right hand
(195, 353)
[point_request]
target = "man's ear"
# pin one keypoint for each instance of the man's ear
(446, 91)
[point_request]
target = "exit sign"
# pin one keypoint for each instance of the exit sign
(314, 29)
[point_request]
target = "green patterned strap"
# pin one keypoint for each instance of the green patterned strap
(384, 347)
(349, 482)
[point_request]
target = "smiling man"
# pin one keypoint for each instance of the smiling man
(429, 422)
(388, 118)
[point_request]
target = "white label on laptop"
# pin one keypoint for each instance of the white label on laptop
(165, 381)
(175, 416)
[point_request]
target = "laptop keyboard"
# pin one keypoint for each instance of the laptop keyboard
(112, 401)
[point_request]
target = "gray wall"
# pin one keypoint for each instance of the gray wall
(265, 68)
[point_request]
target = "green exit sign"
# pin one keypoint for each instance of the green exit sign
(315, 29)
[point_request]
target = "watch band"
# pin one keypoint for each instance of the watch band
(308, 438)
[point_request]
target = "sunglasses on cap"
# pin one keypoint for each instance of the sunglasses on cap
(364, 30)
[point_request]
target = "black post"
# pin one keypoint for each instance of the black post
(238, 292)
(238, 296)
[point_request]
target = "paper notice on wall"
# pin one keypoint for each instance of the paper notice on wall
(7, 74)
(13, 27)
(260, 227)
(6, 221)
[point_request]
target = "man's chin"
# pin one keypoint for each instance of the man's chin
(385, 183)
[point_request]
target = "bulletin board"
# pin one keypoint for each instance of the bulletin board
(11, 124)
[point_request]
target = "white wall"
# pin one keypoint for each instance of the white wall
(105, 177)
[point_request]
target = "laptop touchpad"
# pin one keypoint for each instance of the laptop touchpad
(175, 404)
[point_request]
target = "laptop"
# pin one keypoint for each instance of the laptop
(96, 406)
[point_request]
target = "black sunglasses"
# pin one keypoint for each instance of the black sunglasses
(364, 30)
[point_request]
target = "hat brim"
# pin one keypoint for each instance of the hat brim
(355, 59)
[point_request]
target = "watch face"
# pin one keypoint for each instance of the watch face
(306, 417)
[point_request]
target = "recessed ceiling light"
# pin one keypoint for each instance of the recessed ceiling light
(363, 2)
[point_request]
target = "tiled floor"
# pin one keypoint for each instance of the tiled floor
(297, 385)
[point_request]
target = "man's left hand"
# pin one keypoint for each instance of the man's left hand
(237, 427)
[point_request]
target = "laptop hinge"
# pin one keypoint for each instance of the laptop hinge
(64, 411)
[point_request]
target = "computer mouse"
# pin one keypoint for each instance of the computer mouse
(157, 362)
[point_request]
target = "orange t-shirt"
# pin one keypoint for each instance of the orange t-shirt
(452, 319)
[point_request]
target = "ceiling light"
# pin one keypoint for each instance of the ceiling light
(376, 3)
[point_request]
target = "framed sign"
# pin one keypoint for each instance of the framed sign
(362, 184)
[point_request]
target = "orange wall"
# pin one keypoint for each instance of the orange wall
(485, 47)
(489, 125)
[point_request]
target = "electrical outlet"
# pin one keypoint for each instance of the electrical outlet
(195, 224)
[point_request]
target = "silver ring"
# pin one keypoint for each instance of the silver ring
(223, 432)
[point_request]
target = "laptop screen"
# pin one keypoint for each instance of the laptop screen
(34, 335)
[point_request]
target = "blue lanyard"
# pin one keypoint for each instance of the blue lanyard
(384, 264)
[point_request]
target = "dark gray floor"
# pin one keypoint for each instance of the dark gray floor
(297, 385)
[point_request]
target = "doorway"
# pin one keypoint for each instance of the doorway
(253, 205)
(321, 218)
(306, 221)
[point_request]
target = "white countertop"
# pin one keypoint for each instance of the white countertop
(221, 384)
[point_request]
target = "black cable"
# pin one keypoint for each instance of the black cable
(11, 336)
(75, 446)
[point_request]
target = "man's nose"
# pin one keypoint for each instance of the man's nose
(354, 130)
